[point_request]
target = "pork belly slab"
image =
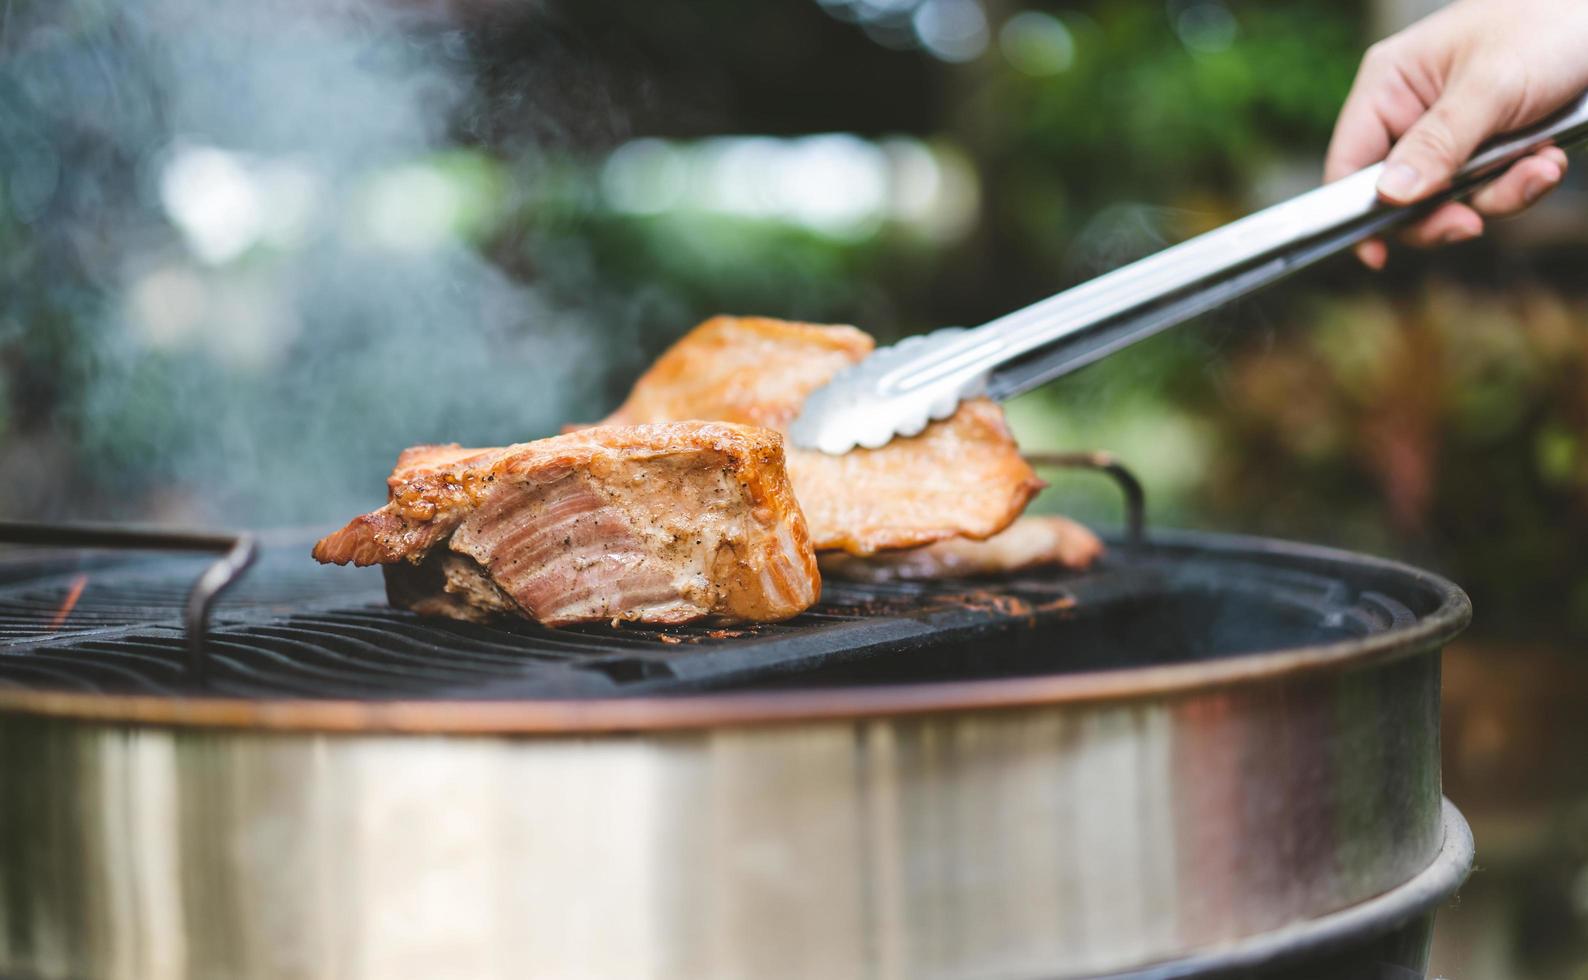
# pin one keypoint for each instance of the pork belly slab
(1029, 543)
(961, 477)
(664, 523)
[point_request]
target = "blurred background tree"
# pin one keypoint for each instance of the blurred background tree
(250, 251)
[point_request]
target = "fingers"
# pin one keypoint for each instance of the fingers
(1429, 153)
(1450, 223)
(1523, 185)
(1424, 100)
(1380, 105)
(1447, 225)
(1361, 136)
(1373, 253)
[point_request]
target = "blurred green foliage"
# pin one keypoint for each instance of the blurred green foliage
(1146, 112)
(1445, 425)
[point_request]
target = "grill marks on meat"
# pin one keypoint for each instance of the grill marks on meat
(664, 523)
(1027, 544)
(961, 477)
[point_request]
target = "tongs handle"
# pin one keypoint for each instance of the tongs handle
(1057, 335)
(1086, 346)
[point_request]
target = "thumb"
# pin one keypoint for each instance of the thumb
(1434, 148)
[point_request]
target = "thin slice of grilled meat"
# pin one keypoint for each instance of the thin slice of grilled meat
(664, 523)
(1027, 544)
(962, 477)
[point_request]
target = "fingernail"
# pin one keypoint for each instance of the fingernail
(1538, 187)
(1399, 182)
(1455, 235)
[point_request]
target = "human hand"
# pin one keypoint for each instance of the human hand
(1424, 99)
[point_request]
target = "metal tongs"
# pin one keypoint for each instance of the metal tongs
(897, 390)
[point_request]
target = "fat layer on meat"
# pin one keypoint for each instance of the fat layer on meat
(664, 523)
(961, 477)
(1029, 543)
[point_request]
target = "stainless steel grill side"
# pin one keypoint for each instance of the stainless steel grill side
(1035, 841)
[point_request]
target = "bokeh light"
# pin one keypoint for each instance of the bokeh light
(1037, 44)
(835, 184)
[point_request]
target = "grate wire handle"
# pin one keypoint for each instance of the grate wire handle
(1108, 464)
(237, 552)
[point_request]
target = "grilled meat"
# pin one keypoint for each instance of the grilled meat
(1029, 543)
(962, 477)
(663, 523)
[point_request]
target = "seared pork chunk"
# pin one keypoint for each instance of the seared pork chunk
(1029, 543)
(962, 477)
(664, 523)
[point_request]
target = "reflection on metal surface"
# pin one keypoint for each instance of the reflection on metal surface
(1386, 936)
(1058, 840)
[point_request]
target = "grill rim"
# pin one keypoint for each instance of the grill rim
(1448, 611)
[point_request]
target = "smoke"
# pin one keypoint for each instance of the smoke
(1118, 235)
(240, 263)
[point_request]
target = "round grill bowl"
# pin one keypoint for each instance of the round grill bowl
(1212, 754)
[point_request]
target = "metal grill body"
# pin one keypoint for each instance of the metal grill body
(1195, 759)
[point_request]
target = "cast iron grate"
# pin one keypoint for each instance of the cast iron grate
(293, 629)
(95, 621)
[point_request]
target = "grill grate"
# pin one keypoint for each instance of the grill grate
(294, 629)
(106, 598)
(109, 627)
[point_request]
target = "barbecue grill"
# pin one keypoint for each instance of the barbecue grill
(1208, 756)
